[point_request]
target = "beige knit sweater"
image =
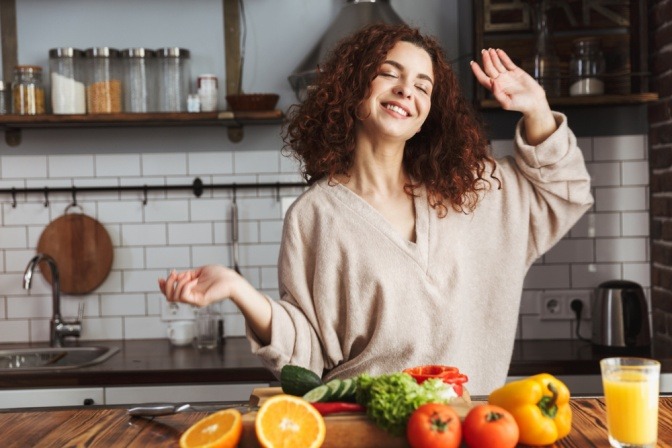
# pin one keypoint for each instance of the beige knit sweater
(356, 297)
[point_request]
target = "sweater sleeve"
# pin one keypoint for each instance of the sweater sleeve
(561, 184)
(294, 322)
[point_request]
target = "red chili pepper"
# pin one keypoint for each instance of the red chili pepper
(335, 407)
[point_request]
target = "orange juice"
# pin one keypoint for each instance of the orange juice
(632, 407)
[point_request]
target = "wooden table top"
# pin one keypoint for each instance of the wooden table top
(109, 427)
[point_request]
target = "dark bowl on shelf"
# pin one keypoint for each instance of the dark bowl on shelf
(252, 101)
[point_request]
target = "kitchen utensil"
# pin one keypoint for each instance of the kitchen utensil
(161, 409)
(234, 232)
(620, 315)
(82, 249)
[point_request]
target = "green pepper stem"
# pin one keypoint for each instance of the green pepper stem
(548, 405)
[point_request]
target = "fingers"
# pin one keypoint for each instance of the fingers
(481, 77)
(506, 60)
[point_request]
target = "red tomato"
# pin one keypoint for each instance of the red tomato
(434, 425)
(487, 426)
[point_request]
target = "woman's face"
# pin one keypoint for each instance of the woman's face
(400, 96)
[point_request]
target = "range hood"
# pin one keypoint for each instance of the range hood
(355, 14)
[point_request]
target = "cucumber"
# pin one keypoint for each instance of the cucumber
(349, 389)
(335, 387)
(319, 394)
(297, 380)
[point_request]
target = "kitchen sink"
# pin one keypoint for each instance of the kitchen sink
(52, 358)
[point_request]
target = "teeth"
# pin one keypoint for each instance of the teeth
(397, 109)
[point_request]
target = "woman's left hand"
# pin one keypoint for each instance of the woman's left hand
(516, 90)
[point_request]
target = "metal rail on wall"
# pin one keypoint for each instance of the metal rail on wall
(197, 187)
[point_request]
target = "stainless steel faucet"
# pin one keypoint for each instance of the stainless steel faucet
(58, 328)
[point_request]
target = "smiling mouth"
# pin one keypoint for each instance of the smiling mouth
(398, 109)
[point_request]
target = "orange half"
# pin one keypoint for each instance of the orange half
(222, 429)
(289, 421)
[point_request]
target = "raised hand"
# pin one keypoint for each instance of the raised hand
(201, 286)
(516, 90)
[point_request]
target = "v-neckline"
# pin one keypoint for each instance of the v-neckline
(419, 249)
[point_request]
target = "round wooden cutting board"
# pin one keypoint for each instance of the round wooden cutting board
(82, 249)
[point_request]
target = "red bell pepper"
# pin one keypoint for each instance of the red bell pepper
(336, 407)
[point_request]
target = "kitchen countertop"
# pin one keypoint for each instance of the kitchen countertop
(105, 427)
(156, 361)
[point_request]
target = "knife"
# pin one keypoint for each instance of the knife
(160, 409)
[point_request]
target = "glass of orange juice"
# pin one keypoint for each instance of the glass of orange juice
(631, 388)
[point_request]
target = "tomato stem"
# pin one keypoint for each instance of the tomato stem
(438, 424)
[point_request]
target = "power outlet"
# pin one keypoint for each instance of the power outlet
(556, 305)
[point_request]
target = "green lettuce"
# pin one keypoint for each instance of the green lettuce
(391, 399)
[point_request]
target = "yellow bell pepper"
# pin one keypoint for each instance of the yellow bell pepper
(540, 406)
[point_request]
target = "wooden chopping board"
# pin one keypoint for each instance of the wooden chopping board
(343, 430)
(82, 249)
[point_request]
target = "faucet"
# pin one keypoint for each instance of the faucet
(58, 328)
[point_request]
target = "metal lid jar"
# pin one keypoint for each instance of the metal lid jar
(174, 74)
(68, 89)
(139, 70)
(586, 68)
(103, 81)
(27, 90)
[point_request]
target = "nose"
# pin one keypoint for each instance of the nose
(403, 89)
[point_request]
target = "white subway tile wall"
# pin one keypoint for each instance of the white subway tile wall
(176, 230)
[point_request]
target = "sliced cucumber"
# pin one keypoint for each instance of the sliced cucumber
(318, 394)
(335, 387)
(349, 388)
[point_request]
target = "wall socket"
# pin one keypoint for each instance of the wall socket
(556, 305)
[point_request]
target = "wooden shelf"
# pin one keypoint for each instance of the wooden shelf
(221, 118)
(13, 124)
(582, 101)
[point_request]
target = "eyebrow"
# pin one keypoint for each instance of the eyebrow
(401, 67)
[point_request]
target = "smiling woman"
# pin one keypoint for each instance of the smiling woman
(412, 243)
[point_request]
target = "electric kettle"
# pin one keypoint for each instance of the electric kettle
(620, 315)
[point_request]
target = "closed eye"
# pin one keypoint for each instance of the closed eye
(389, 75)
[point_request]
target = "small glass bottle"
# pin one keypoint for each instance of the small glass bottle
(586, 68)
(5, 95)
(139, 67)
(27, 90)
(103, 85)
(174, 78)
(68, 90)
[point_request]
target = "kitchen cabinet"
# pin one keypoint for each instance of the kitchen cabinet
(29, 398)
(621, 28)
(12, 125)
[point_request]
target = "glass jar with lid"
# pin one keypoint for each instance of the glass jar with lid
(586, 68)
(68, 90)
(27, 90)
(103, 81)
(174, 76)
(139, 69)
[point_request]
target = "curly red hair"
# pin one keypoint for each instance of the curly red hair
(448, 156)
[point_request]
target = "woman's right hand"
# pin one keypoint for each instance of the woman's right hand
(201, 286)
